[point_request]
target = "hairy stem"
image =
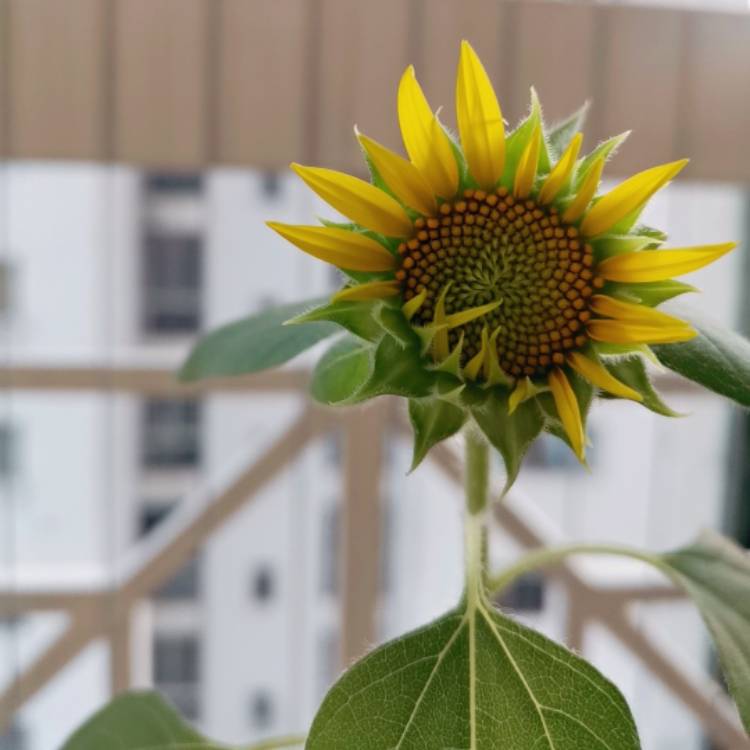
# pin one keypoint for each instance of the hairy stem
(542, 558)
(477, 470)
(477, 473)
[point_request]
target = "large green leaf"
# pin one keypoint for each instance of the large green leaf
(433, 420)
(632, 372)
(511, 434)
(716, 358)
(255, 343)
(342, 371)
(473, 679)
(145, 721)
(716, 574)
(356, 316)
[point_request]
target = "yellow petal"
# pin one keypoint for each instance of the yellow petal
(522, 392)
(401, 176)
(466, 316)
(370, 290)
(586, 192)
(474, 365)
(627, 197)
(632, 312)
(359, 200)
(426, 142)
(659, 265)
(561, 172)
(480, 121)
(340, 247)
(410, 308)
(440, 346)
(568, 410)
(600, 376)
(629, 332)
(528, 165)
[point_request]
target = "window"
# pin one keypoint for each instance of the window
(270, 185)
(172, 271)
(263, 584)
(262, 712)
(6, 278)
(525, 595)
(186, 583)
(174, 183)
(329, 561)
(8, 445)
(14, 738)
(171, 433)
(177, 672)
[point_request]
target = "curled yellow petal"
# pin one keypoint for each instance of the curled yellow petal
(359, 200)
(523, 391)
(480, 121)
(629, 332)
(586, 192)
(600, 376)
(401, 176)
(474, 365)
(659, 265)
(410, 308)
(427, 144)
(440, 346)
(340, 247)
(528, 165)
(627, 197)
(369, 290)
(568, 410)
(609, 307)
(466, 316)
(561, 172)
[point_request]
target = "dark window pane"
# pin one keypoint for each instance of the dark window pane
(270, 184)
(174, 182)
(8, 445)
(172, 271)
(185, 698)
(329, 563)
(262, 710)
(263, 584)
(525, 595)
(176, 659)
(14, 738)
(171, 433)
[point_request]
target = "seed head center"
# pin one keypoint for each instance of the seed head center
(491, 247)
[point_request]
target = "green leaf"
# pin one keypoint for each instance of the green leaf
(393, 321)
(137, 721)
(433, 420)
(517, 141)
(256, 343)
(356, 316)
(716, 358)
(341, 371)
(632, 372)
(649, 293)
(560, 135)
(716, 574)
(511, 434)
(473, 679)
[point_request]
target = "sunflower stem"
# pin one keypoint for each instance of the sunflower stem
(476, 481)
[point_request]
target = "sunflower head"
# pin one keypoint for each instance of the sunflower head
(486, 278)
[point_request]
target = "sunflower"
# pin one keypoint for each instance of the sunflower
(496, 248)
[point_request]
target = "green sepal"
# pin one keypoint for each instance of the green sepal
(393, 322)
(510, 434)
(355, 316)
(433, 420)
(452, 363)
(255, 343)
(605, 349)
(609, 245)
(341, 372)
(649, 293)
(716, 358)
(584, 393)
(517, 140)
(656, 235)
(397, 371)
(606, 149)
(632, 371)
(561, 134)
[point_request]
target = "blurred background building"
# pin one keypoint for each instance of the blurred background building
(229, 545)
